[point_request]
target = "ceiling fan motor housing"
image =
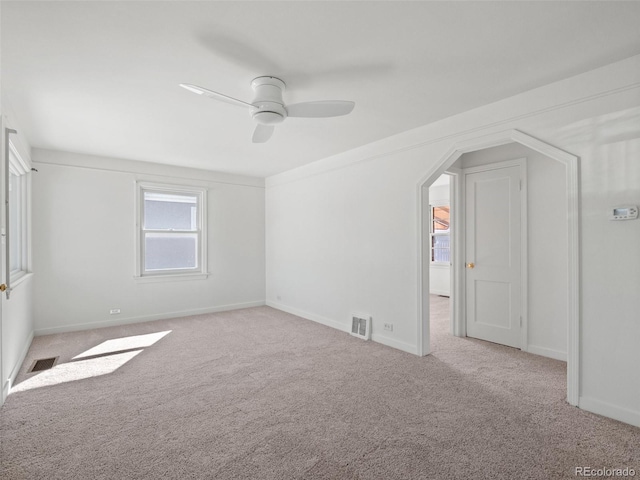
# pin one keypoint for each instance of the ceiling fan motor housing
(268, 100)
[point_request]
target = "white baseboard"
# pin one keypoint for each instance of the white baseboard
(343, 327)
(621, 414)
(393, 343)
(6, 389)
(547, 352)
(145, 318)
(443, 293)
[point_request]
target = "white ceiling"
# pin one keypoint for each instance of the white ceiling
(102, 77)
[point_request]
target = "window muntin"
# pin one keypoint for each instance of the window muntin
(171, 230)
(440, 234)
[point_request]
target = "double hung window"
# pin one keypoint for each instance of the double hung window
(171, 226)
(440, 234)
(18, 221)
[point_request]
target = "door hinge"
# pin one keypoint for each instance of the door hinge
(520, 185)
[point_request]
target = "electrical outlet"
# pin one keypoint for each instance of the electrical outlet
(388, 327)
(114, 311)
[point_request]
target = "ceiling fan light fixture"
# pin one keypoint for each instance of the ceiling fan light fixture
(265, 117)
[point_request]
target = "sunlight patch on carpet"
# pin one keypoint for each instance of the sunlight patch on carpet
(73, 371)
(117, 345)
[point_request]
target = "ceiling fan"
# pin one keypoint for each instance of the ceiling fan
(268, 109)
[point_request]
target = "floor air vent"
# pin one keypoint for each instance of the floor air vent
(361, 326)
(43, 364)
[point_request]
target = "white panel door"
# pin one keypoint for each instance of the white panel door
(493, 255)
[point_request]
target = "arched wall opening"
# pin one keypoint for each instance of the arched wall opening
(570, 163)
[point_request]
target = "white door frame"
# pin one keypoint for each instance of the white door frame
(571, 164)
(3, 391)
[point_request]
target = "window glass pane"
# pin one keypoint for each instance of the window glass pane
(164, 211)
(440, 248)
(440, 218)
(15, 223)
(170, 251)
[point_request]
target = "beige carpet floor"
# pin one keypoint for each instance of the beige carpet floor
(261, 394)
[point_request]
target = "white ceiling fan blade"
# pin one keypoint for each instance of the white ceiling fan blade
(324, 108)
(262, 133)
(215, 95)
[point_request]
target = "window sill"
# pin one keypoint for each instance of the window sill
(175, 277)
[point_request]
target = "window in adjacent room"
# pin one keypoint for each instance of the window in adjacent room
(18, 222)
(171, 226)
(440, 234)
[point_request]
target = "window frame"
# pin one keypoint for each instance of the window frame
(201, 231)
(441, 233)
(19, 168)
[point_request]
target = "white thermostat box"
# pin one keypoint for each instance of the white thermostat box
(627, 212)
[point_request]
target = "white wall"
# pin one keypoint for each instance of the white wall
(546, 244)
(342, 233)
(439, 274)
(84, 244)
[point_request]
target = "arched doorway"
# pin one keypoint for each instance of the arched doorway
(570, 163)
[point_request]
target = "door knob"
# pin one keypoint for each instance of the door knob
(3, 287)
(471, 265)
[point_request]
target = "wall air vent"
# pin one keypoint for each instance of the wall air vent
(361, 326)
